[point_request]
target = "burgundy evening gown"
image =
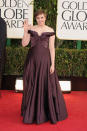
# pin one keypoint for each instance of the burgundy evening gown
(42, 97)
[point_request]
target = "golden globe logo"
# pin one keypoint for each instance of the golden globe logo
(15, 11)
(72, 19)
(74, 11)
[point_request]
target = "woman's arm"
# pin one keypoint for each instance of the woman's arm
(26, 36)
(52, 52)
(25, 39)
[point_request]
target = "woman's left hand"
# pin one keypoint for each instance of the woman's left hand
(51, 69)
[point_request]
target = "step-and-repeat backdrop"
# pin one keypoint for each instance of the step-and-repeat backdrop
(14, 12)
(71, 18)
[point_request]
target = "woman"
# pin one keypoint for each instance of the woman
(42, 97)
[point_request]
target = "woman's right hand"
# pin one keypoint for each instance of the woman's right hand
(26, 26)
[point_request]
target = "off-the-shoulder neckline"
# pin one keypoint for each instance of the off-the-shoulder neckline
(41, 33)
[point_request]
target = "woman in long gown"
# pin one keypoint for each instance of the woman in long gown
(42, 97)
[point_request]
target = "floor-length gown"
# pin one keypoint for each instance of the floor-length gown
(42, 97)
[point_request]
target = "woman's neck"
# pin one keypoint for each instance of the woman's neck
(40, 26)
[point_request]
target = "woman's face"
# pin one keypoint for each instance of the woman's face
(41, 19)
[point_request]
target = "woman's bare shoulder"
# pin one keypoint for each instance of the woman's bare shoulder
(33, 27)
(49, 29)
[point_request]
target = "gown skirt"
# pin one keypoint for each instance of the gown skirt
(42, 96)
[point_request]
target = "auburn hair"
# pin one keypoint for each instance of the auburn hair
(39, 12)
